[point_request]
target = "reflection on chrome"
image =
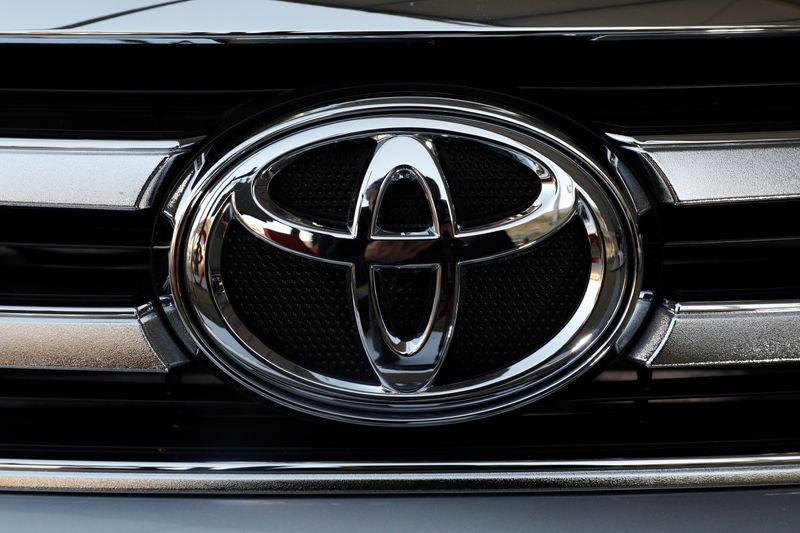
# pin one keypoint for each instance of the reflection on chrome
(405, 131)
(408, 365)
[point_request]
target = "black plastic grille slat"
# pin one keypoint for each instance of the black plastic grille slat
(486, 184)
(34, 283)
(192, 416)
(717, 252)
(117, 113)
(690, 92)
(322, 184)
(75, 257)
(298, 307)
(688, 109)
(510, 307)
(732, 271)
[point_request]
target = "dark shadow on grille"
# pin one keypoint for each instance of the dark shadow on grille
(405, 297)
(486, 184)
(298, 307)
(512, 306)
(404, 207)
(191, 415)
(322, 183)
(75, 257)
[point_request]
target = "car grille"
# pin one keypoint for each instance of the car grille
(68, 257)
(193, 416)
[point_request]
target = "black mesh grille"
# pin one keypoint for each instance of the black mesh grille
(512, 306)
(508, 308)
(486, 184)
(298, 307)
(404, 207)
(322, 184)
(405, 297)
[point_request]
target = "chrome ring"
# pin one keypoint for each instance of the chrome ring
(215, 192)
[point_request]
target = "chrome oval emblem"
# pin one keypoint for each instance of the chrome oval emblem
(406, 365)
(236, 189)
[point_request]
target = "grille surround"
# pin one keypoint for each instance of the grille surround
(669, 100)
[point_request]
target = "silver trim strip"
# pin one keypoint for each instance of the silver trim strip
(358, 477)
(721, 333)
(420, 31)
(127, 339)
(707, 168)
(94, 174)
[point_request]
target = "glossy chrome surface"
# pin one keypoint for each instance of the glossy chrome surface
(86, 338)
(86, 174)
(337, 16)
(391, 478)
(705, 168)
(721, 333)
(638, 318)
(402, 365)
(219, 189)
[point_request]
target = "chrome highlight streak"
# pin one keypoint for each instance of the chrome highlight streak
(403, 366)
(721, 333)
(203, 37)
(88, 338)
(721, 168)
(397, 478)
(406, 366)
(234, 186)
(87, 174)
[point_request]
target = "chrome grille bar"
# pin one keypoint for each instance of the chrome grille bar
(721, 333)
(447, 477)
(128, 339)
(89, 174)
(703, 168)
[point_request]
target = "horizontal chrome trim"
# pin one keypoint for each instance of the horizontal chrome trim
(392, 478)
(89, 174)
(705, 168)
(415, 29)
(755, 307)
(721, 333)
(711, 139)
(127, 339)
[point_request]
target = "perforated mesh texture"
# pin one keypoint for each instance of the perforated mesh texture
(405, 297)
(404, 207)
(322, 183)
(508, 307)
(512, 306)
(298, 307)
(486, 184)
